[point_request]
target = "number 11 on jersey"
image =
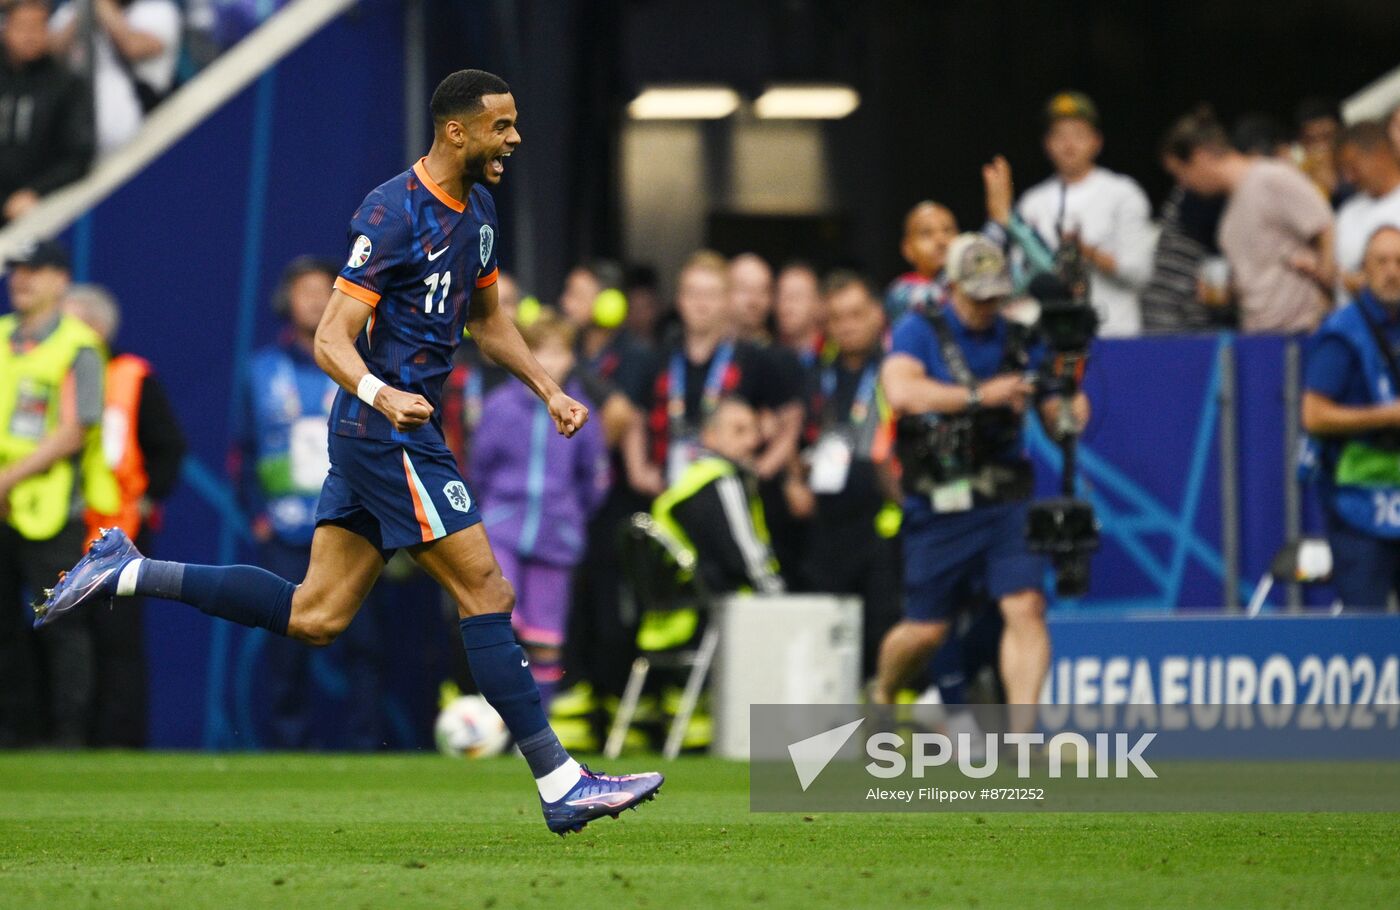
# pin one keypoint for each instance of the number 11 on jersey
(432, 282)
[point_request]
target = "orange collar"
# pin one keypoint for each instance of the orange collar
(438, 192)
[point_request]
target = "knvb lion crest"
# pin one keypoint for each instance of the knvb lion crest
(457, 496)
(488, 239)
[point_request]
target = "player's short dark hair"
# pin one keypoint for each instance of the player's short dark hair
(1197, 130)
(460, 93)
(1367, 135)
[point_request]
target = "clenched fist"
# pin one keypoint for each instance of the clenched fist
(405, 410)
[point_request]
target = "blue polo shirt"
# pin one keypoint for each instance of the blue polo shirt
(913, 335)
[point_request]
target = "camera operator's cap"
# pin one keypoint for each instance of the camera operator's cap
(978, 267)
(1072, 106)
(38, 255)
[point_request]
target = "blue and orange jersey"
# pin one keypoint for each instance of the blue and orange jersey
(416, 257)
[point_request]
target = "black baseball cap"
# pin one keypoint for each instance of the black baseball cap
(38, 255)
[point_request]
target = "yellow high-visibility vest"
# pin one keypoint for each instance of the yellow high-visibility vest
(31, 391)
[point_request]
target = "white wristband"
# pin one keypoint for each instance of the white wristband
(369, 387)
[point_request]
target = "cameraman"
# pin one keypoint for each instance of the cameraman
(965, 538)
(1351, 411)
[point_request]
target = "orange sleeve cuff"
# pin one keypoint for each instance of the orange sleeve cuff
(485, 281)
(351, 289)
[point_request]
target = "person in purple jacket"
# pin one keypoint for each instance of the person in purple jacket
(538, 490)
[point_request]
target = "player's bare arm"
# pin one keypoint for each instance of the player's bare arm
(345, 318)
(499, 339)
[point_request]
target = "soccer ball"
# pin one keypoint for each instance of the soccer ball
(471, 727)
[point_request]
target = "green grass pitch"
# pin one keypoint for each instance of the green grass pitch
(193, 831)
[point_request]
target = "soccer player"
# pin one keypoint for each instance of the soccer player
(423, 264)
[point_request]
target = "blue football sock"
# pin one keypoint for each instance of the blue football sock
(952, 689)
(502, 675)
(243, 594)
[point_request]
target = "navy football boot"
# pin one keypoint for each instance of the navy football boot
(596, 795)
(94, 578)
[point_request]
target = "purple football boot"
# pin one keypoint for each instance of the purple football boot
(596, 795)
(94, 578)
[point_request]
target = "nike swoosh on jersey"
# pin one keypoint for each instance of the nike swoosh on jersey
(432, 256)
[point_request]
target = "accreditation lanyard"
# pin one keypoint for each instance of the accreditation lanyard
(714, 383)
(865, 392)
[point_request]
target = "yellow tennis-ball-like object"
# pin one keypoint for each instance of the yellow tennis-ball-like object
(610, 308)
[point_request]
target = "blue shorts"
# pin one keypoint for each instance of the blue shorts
(394, 494)
(967, 559)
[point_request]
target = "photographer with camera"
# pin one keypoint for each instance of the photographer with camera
(1351, 411)
(959, 377)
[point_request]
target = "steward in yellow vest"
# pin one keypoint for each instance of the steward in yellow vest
(51, 458)
(51, 466)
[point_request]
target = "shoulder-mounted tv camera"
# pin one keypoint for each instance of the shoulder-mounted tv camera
(1064, 528)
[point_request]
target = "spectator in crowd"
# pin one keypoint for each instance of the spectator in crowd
(846, 487)
(1189, 290)
(51, 467)
(965, 541)
(1186, 292)
(1276, 230)
(593, 303)
(537, 491)
(1106, 213)
(46, 136)
(144, 447)
(1369, 163)
(1350, 409)
(751, 296)
(1392, 128)
(799, 313)
(706, 363)
(928, 229)
(1318, 121)
(137, 48)
(282, 462)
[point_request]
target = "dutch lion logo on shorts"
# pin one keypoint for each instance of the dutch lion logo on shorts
(457, 496)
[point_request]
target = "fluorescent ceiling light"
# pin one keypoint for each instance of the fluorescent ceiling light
(684, 102)
(807, 102)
